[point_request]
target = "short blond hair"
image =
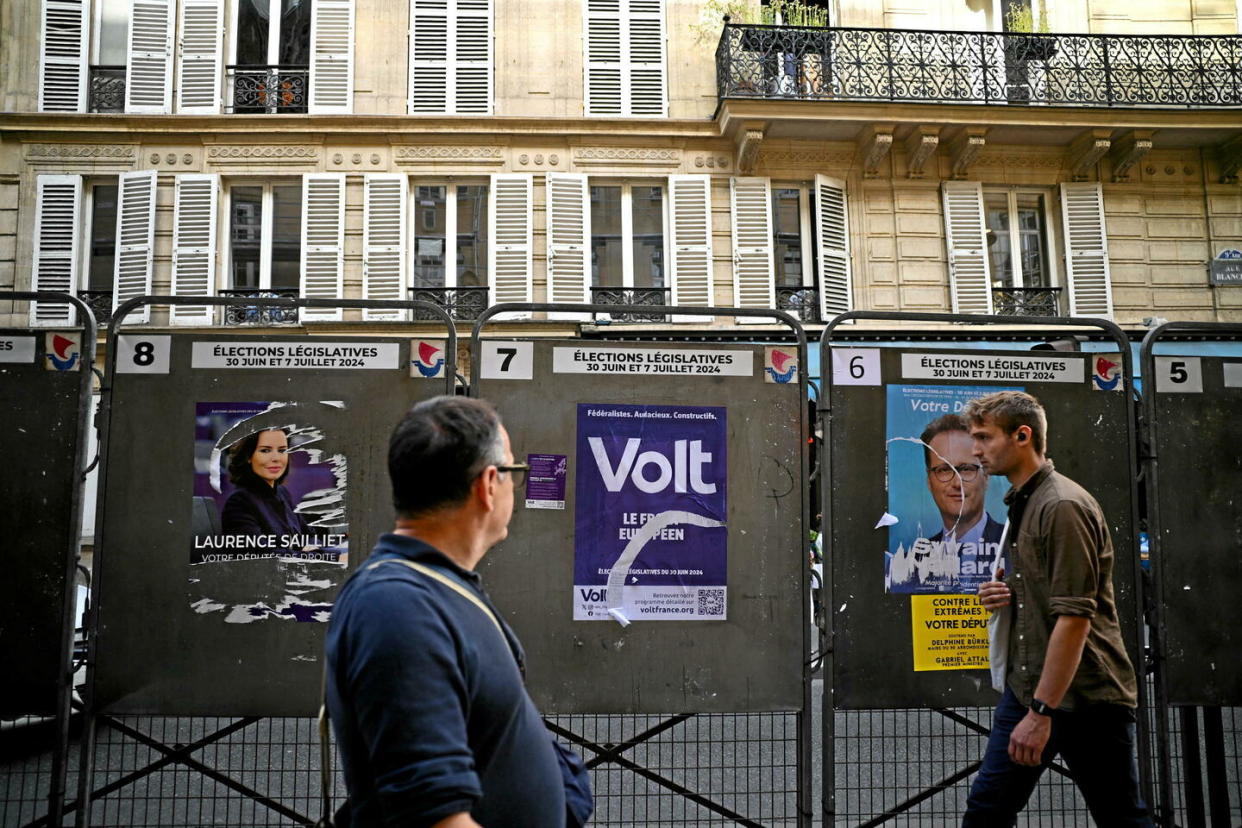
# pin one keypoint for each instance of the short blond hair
(1010, 410)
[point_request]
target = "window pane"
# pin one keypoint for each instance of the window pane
(648, 236)
(1033, 240)
(996, 208)
(245, 236)
(253, 21)
(606, 253)
(113, 32)
(286, 236)
(471, 236)
(787, 237)
(103, 237)
(429, 227)
(295, 33)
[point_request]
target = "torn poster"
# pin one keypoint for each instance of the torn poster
(951, 514)
(650, 505)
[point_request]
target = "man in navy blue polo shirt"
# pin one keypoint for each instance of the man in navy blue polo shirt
(425, 680)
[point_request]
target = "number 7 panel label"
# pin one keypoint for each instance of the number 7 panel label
(507, 360)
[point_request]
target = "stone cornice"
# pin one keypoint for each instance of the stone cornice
(612, 156)
(469, 156)
(265, 154)
(76, 152)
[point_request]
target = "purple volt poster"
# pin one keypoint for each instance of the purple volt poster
(650, 507)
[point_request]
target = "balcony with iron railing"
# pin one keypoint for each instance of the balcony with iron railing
(100, 303)
(640, 296)
(107, 89)
(463, 304)
(1026, 301)
(271, 89)
(259, 315)
(840, 64)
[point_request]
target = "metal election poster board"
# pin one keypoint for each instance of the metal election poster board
(915, 526)
(41, 374)
(656, 560)
(1198, 548)
(244, 476)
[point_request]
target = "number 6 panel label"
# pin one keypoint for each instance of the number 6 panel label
(1179, 375)
(508, 360)
(138, 354)
(856, 366)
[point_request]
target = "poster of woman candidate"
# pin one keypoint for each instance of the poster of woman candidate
(948, 514)
(266, 484)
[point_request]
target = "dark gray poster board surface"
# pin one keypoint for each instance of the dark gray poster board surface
(873, 644)
(39, 440)
(753, 659)
(1196, 402)
(181, 632)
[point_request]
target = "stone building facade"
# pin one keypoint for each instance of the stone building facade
(469, 152)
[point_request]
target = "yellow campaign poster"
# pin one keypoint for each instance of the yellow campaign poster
(950, 632)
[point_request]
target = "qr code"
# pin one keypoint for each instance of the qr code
(711, 602)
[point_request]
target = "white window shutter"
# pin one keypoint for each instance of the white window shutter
(194, 245)
(965, 232)
(148, 74)
(603, 38)
(646, 59)
(385, 197)
(1086, 250)
(751, 201)
(690, 254)
(58, 209)
(323, 242)
(832, 236)
(332, 57)
(430, 90)
(569, 241)
(63, 49)
(201, 53)
(472, 57)
(135, 241)
(509, 255)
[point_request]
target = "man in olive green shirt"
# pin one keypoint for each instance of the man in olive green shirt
(1070, 687)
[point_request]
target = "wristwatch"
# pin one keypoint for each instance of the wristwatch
(1042, 708)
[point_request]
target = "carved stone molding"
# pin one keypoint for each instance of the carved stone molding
(965, 149)
(1019, 160)
(873, 146)
(491, 156)
(1086, 151)
(1229, 156)
(805, 160)
(263, 154)
(103, 152)
(1128, 151)
(748, 145)
(920, 145)
(627, 156)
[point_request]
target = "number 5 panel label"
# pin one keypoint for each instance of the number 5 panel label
(856, 366)
(1179, 375)
(142, 354)
(508, 360)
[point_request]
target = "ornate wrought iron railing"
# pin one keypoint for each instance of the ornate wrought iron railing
(255, 315)
(268, 89)
(653, 296)
(107, 89)
(787, 62)
(100, 303)
(462, 304)
(1032, 301)
(802, 302)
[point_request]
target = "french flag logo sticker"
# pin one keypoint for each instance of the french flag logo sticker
(63, 352)
(780, 365)
(426, 358)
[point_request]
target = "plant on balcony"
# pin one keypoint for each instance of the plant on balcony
(1020, 19)
(778, 12)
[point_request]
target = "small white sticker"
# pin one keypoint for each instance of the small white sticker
(1233, 374)
(856, 366)
(780, 365)
(1179, 375)
(508, 360)
(17, 348)
(427, 358)
(138, 354)
(62, 352)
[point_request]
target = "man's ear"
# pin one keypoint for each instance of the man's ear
(484, 488)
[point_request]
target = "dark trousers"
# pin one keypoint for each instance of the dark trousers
(1098, 746)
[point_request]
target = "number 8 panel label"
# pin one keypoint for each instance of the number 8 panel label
(139, 354)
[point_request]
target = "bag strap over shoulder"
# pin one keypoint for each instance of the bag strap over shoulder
(451, 584)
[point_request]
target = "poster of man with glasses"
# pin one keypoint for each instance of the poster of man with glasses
(948, 542)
